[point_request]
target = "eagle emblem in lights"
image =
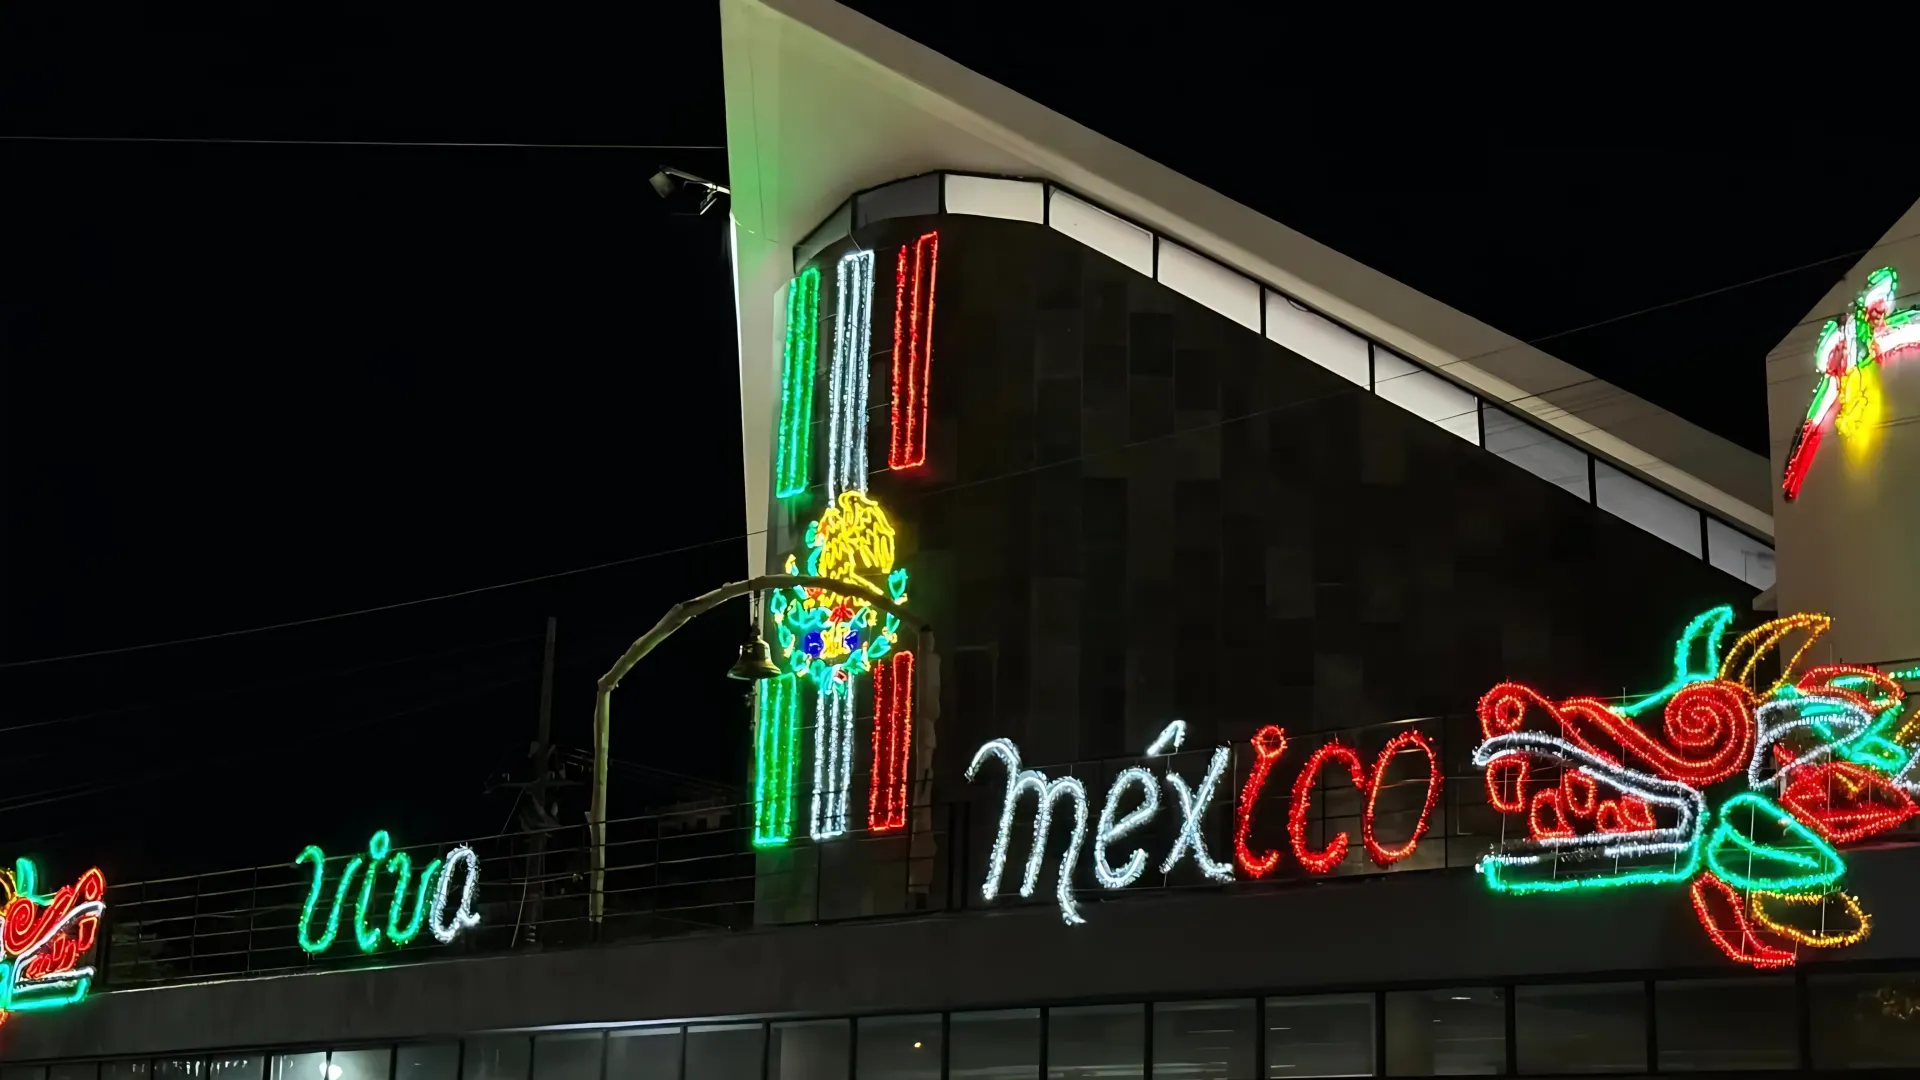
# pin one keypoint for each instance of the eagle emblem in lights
(1745, 795)
(1847, 357)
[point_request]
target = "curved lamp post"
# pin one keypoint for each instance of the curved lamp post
(675, 618)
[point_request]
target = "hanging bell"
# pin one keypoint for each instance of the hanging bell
(755, 660)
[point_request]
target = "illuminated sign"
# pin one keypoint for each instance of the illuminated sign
(45, 938)
(1137, 784)
(1818, 758)
(431, 896)
(1846, 357)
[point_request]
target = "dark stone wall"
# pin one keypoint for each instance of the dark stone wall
(1135, 509)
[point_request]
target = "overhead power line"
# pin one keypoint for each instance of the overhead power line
(354, 142)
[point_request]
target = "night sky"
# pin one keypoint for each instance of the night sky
(243, 385)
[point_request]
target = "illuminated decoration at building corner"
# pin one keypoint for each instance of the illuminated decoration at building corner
(45, 939)
(1815, 754)
(793, 437)
(404, 920)
(892, 742)
(847, 378)
(776, 733)
(1845, 358)
(913, 293)
(1193, 804)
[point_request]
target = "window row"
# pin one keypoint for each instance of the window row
(1851, 1021)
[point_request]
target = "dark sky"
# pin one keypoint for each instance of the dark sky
(245, 384)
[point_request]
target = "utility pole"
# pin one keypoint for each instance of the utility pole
(533, 807)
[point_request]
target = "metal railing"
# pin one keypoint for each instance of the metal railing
(694, 869)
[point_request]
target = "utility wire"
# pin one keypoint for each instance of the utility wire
(352, 142)
(1539, 394)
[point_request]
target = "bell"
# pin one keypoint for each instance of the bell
(755, 661)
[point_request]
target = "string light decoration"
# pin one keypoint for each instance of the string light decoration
(1821, 737)
(1108, 830)
(1381, 854)
(847, 378)
(1193, 810)
(776, 745)
(400, 926)
(793, 449)
(45, 938)
(1046, 791)
(1701, 638)
(1871, 333)
(1324, 860)
(892, 743)
(1717, 905)
(820, 632)
(444, 929)
(913, 292)
(1268, 744)
(832, 755)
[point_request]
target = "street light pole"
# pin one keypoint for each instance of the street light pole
(676, 617)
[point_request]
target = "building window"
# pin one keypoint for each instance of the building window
(124, 1070)
(498, 1057)
(1211, 1039)
(163, 1069)
(810, 1050)
(1456, 1032)
(309, 1066)
(1591, 1028)
(368, 1064)
(725, 1052)
(899, 1047)
(427, 1061)
(88, 1070)
(647, 1053)
(1107, 1042)
(24, 1072)
(1322, 1035)
(228, 1067)
(1865, 1021)
(574, 1055)
(999, 1045)
(1741, 1024)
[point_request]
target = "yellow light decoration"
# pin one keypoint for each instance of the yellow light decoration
(1765, 638)
(853, 541)
(1812, 938)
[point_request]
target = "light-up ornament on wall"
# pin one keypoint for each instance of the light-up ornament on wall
(46, 939)
(428, 905)
(1614, 805)
(1845, 357)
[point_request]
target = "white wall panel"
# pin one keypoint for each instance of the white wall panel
(1322, 341)
(1121, 241)
(1200, 278)
(986, 196)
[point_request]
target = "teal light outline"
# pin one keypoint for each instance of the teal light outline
(1713, 624)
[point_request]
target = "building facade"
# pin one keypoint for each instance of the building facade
(1302, 681)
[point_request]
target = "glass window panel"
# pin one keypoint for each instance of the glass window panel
(1211, 1039)
(998, 1045)
(1322, 341)
(1558, 463)
(1738, 554)
(124, 1070)
(234, 1066)
(311, 1066)
(648, 1053)
(495, 1057)
(165, 1069)
(1458, 1032)
(1726, 1024)
(1322, 1035)
(23, 1072)
(88, 1070)
(427, 1061)
(1640, 504)
(1116, 238)
(1097, 1041)
(725, 1052)
(899, 1047)
(573, 1055)
(1865, 1021)
(1596, 1028)
(371, 1063)
(1426, 395)
(809, 1050)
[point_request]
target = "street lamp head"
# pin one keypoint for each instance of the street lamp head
(755, 662)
